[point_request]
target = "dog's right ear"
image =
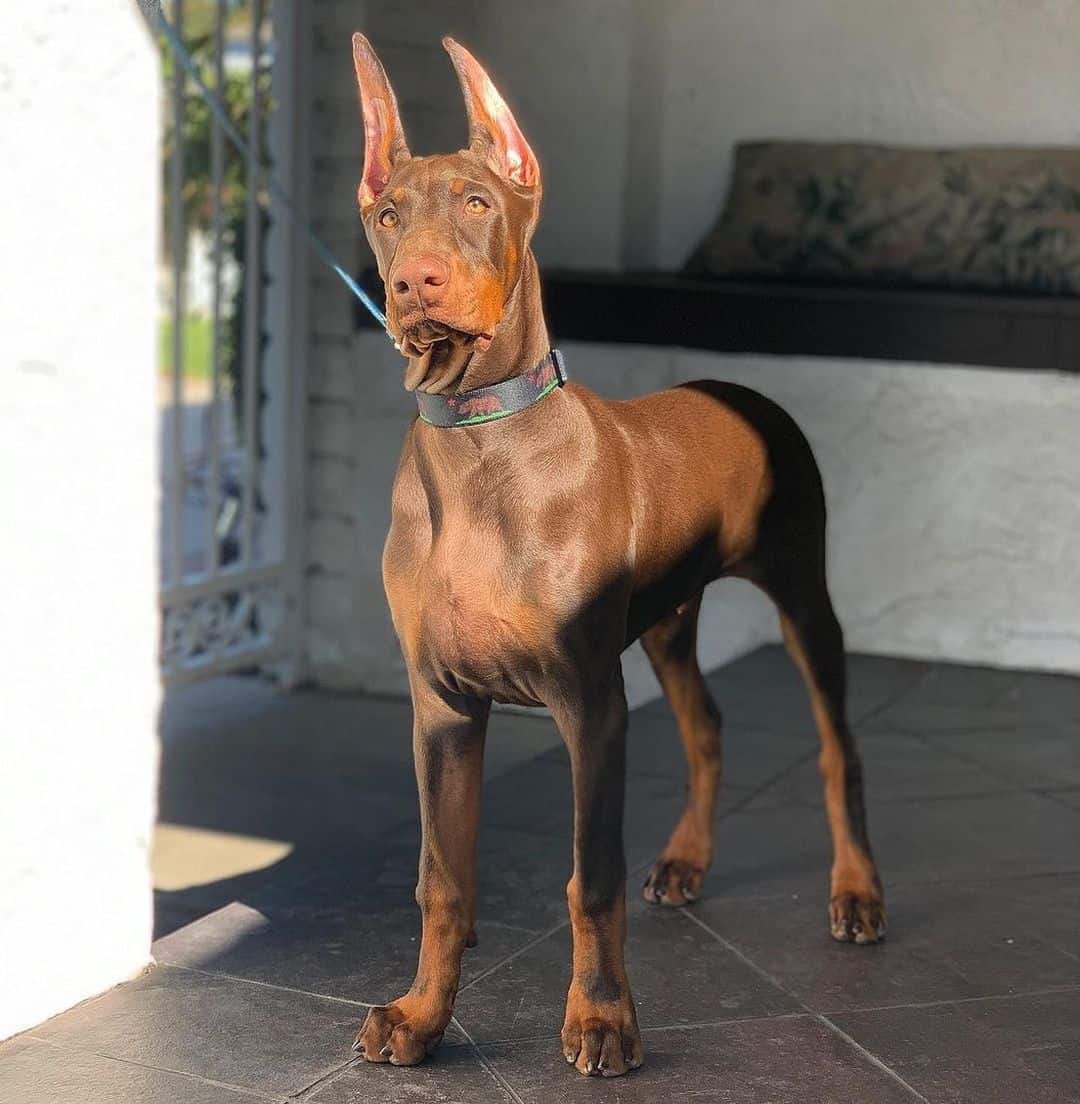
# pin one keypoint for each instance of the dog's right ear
(384, 137)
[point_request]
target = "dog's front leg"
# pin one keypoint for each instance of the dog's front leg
(600, 1033)
(448, 748)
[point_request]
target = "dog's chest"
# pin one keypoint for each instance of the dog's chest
(478, 614)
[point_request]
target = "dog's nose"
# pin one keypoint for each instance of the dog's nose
(422, 275)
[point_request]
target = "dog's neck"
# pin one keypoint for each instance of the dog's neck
(520, 340)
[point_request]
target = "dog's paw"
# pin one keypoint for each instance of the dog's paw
(601, 1039)
(857, 917)
(399, 1033)
(673, 882)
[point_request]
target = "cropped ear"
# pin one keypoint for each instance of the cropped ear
(493, 131)
(384, 138)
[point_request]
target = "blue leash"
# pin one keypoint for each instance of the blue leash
(156, 15)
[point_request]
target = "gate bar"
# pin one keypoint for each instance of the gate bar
(213, 102)
(253, 279)
(217, 173)
(176, 210)
(229, 579)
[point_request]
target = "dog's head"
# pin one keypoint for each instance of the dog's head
(450, 232)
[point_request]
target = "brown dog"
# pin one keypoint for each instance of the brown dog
(527, 552)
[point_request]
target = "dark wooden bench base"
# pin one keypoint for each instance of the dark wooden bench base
(1001, 331)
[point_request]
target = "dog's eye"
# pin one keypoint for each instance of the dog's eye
(389, 218)
(476, 205)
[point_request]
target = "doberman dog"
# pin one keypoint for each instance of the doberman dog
(538, 530)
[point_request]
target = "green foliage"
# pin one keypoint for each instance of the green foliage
(197, 336)
(194, 139)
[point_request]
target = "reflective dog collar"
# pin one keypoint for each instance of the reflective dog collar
(500, 400)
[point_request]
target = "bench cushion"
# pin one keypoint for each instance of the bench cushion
(986, 218)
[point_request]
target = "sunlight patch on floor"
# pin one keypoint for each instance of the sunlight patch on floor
(183, 857)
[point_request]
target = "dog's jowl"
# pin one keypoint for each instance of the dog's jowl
(537, 531)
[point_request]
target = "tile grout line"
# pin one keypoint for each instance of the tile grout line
(905, 884)
(914, 883)
(516, 928)
(701, 1025)
(487, 1064)
(963, 757)
(328, 1078)
(813, 737)
(819, 1017)
(268, 985)
(514, 954)
(812, 804)
(242, 1090)
(999, 775)
(872, 1058)
(753, 794)
(813, 750)
(860, 1010)
(696, 1025)
(890, 699)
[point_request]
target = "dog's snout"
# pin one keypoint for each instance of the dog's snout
(425, 276)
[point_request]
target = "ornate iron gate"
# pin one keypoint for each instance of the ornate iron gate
(231, 384)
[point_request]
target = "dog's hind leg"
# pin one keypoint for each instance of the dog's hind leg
(815, 643)
(788, 562)
(671, 646)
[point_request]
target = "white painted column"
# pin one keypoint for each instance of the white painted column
(79, 217)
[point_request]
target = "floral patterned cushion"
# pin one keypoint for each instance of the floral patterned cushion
(987, 218)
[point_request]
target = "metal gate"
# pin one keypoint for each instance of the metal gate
(231, 346)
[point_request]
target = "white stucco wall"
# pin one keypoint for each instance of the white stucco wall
(78, 222)
(920, 72)
(634, 106)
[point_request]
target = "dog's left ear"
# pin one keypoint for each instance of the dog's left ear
(493, 130)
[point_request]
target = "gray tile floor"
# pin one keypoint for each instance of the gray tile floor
(974, 790)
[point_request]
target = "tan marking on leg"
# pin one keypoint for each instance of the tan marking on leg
(600, 1035)
(671, 647)
(448, 745)
(600, 1032)
(856, 904)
